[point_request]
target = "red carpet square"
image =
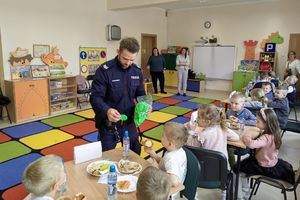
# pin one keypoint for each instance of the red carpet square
(80, 128)
(146, 125)
(188, 115)
(64, 149)
(4, 138)
(16, 193)
(169, 101)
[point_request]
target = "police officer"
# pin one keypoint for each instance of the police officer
(115, 86)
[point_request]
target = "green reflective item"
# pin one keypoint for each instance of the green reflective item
(124, 117)
(141, 113)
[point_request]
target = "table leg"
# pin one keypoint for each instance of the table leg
(238, 162)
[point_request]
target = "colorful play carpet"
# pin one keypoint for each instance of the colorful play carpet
(22, 144)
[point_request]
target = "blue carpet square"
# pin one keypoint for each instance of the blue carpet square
(27, 129)
(190, 105)
(92, 137)
(180, 120)
(158, 106)
(11, 172)
(181, 97)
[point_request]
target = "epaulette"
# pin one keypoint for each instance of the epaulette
(105, 66)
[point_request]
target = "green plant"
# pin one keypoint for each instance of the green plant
(201, 76)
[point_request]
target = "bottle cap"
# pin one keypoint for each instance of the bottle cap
(112, 168)
(126, 134)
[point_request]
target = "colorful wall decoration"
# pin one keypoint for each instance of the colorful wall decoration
(90, 58)
(272, 38)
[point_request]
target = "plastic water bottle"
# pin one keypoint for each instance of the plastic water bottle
(241, 124)
(220, 107)
(112, 183)
(126, 146)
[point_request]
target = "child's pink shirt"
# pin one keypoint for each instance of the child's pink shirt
(266, 152)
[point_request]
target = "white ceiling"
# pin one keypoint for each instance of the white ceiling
(177, 4)
(184, 4)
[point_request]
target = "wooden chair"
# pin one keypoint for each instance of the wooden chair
(4, 101)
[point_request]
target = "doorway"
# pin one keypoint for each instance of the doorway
(294, 45)
(148, 42)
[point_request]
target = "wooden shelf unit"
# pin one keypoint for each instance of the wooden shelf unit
(62, 94)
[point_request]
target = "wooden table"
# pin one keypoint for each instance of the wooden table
(80, 181)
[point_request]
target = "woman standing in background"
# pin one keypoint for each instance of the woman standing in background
(157, 64)
(182, 65)
(292, 65)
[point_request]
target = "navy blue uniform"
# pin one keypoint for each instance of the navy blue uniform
(115, 87)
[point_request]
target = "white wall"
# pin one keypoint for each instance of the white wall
(234, 24)
(69, 24)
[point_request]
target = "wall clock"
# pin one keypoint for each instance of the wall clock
(207, 24)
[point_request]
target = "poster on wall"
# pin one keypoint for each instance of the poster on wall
(90, 58)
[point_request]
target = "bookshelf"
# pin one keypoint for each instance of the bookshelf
(62, 94)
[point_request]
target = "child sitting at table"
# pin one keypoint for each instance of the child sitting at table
(174, 161)
(281, 106)
(267, 88)
(45, 178)
(290, 82)
(266, 161)
(153, 184)
(237, 110)
(257, 100)
(215, 134)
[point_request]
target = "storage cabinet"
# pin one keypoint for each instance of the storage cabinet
(241, 79)
(62, 94)
(171, 78)
(29, 98)
(267, 61)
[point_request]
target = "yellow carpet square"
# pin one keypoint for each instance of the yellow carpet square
(161, 117)
(46, 139)
(86, 113)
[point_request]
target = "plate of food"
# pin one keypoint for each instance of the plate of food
(126, 183)
(98, 168)
(128, 167)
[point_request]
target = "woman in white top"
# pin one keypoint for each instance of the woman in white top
(182, 65)
(292, 65)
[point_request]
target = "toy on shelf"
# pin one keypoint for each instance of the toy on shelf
(20, 57)
(272, 38)
(250, 49)
(54, 58)
(20, 64)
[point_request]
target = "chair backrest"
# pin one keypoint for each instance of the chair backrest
(4, 100)
(213, 168)
(81, 82)
(297, 176)
(192, 175)
(90, 79)
(85, 152)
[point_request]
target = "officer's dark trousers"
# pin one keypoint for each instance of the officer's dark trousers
(160, 76)
(108, 138)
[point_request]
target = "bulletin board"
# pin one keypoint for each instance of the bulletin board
(90, 58)
(216, 62)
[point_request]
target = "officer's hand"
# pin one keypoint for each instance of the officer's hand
(113, 115)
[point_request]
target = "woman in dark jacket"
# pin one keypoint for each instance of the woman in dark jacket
(157, 64)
